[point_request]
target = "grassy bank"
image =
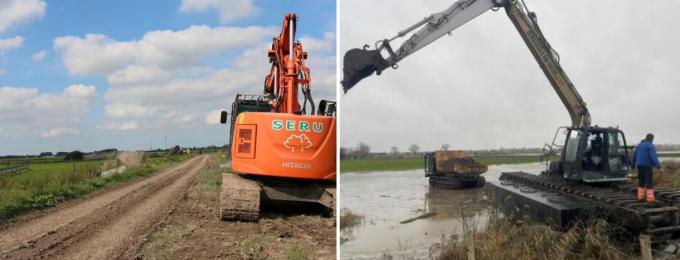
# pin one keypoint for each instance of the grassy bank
(594, 239)
(371, 165)
(668, 176)
(671, 154)
(47, 184)
(504, 239)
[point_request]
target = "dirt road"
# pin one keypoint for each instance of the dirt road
(112, 224)
(194, 230)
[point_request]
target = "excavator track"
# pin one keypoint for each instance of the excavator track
(617, 203)
(329, 199)
(453, 182)
(287, 190)
(239, 198)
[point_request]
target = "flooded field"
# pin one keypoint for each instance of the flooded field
(387, 198)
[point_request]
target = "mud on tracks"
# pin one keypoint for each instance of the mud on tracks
(112, 224)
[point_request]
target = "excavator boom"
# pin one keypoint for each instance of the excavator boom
(548, 60)
(361, 63)
(288, 71)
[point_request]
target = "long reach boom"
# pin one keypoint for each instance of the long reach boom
(361, 63)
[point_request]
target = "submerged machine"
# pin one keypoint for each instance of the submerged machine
(591, 176)
(453, 170)
(280, 150)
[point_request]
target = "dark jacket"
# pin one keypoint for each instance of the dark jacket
(645, 155)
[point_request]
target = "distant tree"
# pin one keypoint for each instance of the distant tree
(394, 151)
(175, 150)
(414, 148)
(74, 156)
(363, 150)
(343, 153)
(445, 147)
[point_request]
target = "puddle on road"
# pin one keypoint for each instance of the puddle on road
(387, 198)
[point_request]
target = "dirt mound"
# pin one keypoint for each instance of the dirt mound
(462, 165)
(131, 159)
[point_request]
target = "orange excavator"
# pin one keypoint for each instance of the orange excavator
(281, 151)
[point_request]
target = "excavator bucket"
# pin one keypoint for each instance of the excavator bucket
(361, 63)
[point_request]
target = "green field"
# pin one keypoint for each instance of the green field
(47, 184)
(371, 165)
(673, 154)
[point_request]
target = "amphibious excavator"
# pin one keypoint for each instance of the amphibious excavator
(453, 170)
(281, 151)
(591, 176)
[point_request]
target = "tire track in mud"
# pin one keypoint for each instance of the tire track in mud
(109, 225)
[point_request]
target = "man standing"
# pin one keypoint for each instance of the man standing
(644, 158)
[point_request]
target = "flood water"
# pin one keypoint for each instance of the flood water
(387, 198)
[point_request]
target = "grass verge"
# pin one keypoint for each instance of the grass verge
(349, 219)
(373, 165)
(504, 239)
(668, 176)
(53, 184)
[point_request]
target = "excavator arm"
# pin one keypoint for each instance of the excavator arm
(361, 63)
(288, 71)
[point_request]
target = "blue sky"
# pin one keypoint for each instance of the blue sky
(91, 75)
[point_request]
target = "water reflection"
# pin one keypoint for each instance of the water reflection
(387, 198)
(448, 204)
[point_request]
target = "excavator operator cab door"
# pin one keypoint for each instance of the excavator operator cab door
(595, 155)
(246, 103)
(571, 165)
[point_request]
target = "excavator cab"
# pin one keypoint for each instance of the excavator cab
(245, 103)
(593, 154)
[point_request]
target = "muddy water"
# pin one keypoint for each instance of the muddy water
(387, 198)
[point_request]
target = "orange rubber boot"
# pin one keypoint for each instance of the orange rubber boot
(650, 196)
(641, 194)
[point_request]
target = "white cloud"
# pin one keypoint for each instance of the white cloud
(117, 110)
(313, 45)
(137, 74)
(61, 131)
(26, 111)
(213, 117)
(161, 80)
(124, 126)
(16, 98)
(14, 12)
(39, 55)
(9, 44)
(186, 96)
(74, 98)
(229, 10)
(96, 54)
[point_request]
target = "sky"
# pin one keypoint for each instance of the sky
(127, 74)
(480, 87)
